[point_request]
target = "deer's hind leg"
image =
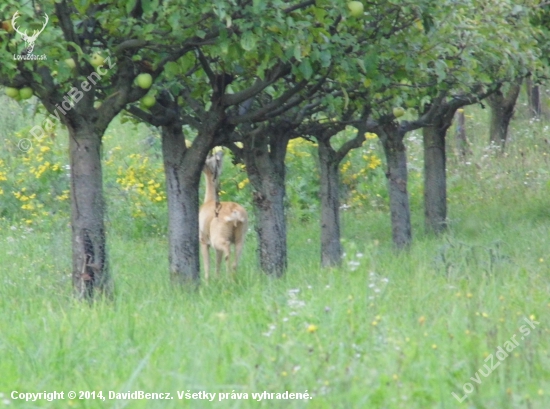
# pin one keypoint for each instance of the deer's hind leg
(205, 258)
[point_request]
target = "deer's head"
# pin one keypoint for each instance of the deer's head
(213, 165)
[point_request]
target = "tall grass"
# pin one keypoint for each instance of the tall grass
(386, 330)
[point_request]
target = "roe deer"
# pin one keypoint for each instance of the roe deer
(220, 223)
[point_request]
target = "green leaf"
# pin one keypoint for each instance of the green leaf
(248, 41)
(76, 47)
(346, 98)
(319, 14)
(149, 6)
(325, 57)
(370, 62)
(172, 68)
(298, 52)
(517, 9)
(82, 6)
(440, 70)
(306, 69)
(174, 21)
(186, 62)
(130, 6)
(361, 65)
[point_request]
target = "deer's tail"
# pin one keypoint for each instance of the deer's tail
(236, 218)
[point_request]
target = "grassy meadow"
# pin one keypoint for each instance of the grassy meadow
(387, 330)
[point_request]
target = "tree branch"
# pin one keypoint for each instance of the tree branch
(260, 113)
(300, 98)
(130, 45)
(350, 144)
(359, 139)
(234, 99)
(206, 67)
(147, 117)
(172, 57)
(63, 11)
(193, 103)
(299, 6)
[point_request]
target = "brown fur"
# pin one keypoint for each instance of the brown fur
(221, 227)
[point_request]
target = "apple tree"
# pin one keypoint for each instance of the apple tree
(447, 58)
(94, 52)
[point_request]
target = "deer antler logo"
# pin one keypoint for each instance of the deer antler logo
(29, 39)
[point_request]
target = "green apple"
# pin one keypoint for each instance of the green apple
(398, 112)
(148, 101)
(12, 92)
(97, 60)
(356, 8)
(26, 92)
(411, 103)
(70, 62)
(144, 80)
(97, 104)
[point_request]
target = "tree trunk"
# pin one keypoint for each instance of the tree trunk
(461, 138)
(435, 177)
(502, 110)
(182, 168)
(264, 157)
(331, 248)
(533, 98)
(90, 267)
(396, 158)
(183, 251)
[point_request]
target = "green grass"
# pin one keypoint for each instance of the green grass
(386, 330)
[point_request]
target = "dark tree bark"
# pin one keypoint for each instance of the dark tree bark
(264, 152)
(392, 137)
(435, 176)
(462, 145)
(183, 169)
(329, 162)
(533, 99)
(173, 152)
(440, 116)
(502, 109)
(183, 205)
(90, 267)
(331, 248)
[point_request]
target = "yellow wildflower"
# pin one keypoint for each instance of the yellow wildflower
(374, 162)
(312, 328)
(242, 184)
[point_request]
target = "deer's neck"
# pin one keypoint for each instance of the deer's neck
(210, 193)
